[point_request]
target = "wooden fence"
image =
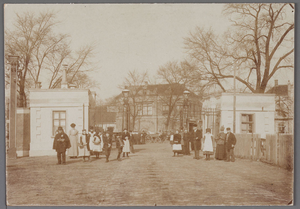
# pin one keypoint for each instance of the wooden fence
(277, 149)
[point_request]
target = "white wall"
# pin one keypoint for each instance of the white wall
(262, 106)
(42, 105)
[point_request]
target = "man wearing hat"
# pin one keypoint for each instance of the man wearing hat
(229, 145)
(61, 144)
(197, 136)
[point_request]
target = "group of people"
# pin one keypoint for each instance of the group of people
(89, 143)
(225, 142)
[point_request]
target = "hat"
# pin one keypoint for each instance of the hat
(73, 125)
(60, 128)
(228, 129)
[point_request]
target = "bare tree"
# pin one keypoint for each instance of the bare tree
(174, 75)
(41, 51)
(135, 82)
(260, 43)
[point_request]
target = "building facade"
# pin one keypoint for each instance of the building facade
(50, 108)
(254, 113)
(155, 108)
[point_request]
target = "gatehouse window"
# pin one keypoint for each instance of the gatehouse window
(247, 123)
(59, 119)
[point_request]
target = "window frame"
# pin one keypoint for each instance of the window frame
(247, 131)
(54, 128)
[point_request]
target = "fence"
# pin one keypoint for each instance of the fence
(277, 149)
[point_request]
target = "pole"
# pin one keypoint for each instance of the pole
(12, 152)
(234, 99)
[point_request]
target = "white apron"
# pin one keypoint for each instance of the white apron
(207, 143)
(126, 147)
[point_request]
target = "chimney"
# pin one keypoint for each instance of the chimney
(276, 82)
(64, 83)
(38, 85)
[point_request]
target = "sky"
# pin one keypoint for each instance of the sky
(127, 37)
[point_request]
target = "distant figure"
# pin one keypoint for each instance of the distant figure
(125, 138)
(186, 142)
(143, 137)
(61, 143)
(73, 135)
(220, 150)
(208, 148)
(131, 142)
(119, 145)
(107, 144)
(177, 148)
(197, 135)
(84, 146)
(230, 144)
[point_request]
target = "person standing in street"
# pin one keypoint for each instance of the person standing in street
(119, 145)
(177, 147)
(220, 149)
(125, 138)
(73, 136)
(186, 142)
(61, 143)
(107, 144)
(208, 148)
(84, 147)
(131, 142)
(230, 144)
(197, 135)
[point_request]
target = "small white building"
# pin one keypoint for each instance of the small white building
(255, 113)
(50, 108)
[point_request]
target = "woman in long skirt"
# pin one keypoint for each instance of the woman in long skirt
(208, 148)
(125, 138)
(73, 136)
(220, 150)
(177, 147)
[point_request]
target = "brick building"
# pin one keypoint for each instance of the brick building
(158, 107)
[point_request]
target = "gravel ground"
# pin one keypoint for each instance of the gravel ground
(149, 177)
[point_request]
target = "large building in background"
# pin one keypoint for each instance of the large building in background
(159, 107)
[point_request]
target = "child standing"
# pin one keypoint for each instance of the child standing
(119, 145)
(84, 147)
(208, 148)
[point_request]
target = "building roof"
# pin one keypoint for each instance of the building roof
(279, 90)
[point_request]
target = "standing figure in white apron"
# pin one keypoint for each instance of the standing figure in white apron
(125, 138)
(208, 148)
(73, 136)
(95, 144)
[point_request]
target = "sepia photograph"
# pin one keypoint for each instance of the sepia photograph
(162, 104)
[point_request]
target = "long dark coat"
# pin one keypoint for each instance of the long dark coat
(197, 139)
(61, 142)
(107, 143)
(177, 139)
(231, 140)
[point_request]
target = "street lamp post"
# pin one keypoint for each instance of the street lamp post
(125, 93)
(185, 104)
(14, 61)
(213, 106)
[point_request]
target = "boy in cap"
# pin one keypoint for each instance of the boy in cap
(230, 143)
(61, 143)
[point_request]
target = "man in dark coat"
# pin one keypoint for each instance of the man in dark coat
(197, 135)
(186, 140)
(61, 143)
(131, 141)
(229, 144)
(119, 145)
(107, 144)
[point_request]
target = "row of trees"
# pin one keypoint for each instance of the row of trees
(42, 52)
(259, 43)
